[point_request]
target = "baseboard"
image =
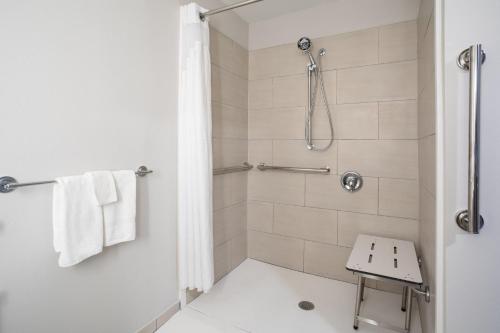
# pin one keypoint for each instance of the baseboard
(161, 319)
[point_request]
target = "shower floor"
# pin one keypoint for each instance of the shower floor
(261, 298)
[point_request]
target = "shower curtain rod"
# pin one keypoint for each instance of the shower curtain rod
(226, 8)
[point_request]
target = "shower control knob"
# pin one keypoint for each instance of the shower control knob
(351, 181)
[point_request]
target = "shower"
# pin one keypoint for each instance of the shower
(314, 82)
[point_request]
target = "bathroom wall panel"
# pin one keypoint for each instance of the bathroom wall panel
(88, 85)
(260, 216)
(275, 249)
(324, 191)
(287, 188)
(328, 261)
(398, 197)
(229, 222)
(383, 82)
(353, 49)
(427, 161)
(295, 153)
(228, 151)
(398, 42)
(371, 82)
(222, 260)
(398, 120)
(229, 122)
(427, 155)
(380, 158)
(307, 223)
(275, 61)
(260, 94)
(355, 121)
(260, 151)
(280, 123)
(352, 224)
(230, 147)
(290, 91)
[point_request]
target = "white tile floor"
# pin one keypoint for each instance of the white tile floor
(262, 298)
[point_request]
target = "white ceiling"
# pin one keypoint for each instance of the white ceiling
(271, 8)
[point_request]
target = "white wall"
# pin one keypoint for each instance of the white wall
(87, 84)
(331, 18)
(229, 23)
(471, 269)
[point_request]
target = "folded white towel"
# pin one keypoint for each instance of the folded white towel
(77, 220)
(104, 186)
(119, 217)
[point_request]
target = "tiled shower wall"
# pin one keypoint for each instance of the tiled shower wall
(427, 152)
(229, 131)
(308, 222)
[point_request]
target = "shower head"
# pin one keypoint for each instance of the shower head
(304, 44)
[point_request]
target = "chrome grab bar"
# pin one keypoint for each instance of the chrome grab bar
(245, 167)
(9, 184)
(471, 59)
(323, 171)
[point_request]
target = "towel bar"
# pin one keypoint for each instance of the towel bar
(9, 184)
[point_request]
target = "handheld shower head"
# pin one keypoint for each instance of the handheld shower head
(304, 44)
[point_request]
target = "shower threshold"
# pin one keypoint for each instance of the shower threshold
(261, 298)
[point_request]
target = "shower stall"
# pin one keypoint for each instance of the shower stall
(315, 141)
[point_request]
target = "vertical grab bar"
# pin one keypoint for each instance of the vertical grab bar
(471, 59)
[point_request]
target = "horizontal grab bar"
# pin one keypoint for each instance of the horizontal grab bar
(322, 171)
(245, 167)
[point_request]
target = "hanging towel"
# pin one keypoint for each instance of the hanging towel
(104, 186)
(119, 217)
(77, 220)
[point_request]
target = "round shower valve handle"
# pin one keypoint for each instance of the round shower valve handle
(351, 181)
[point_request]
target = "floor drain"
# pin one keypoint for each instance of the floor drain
(306, 305)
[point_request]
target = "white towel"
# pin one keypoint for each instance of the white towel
(77, 220)
(119, 217)
(104, 186)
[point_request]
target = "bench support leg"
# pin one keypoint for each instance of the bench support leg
(359, 296)
(363, 282)
(409, 299)
(403, 299)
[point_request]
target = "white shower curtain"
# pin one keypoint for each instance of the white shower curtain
(195, 238)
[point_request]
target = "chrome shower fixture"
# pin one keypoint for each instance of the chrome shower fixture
(304, 44)
(314, 82)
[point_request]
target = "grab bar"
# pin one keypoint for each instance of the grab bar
(9, 184)
(245, 167)
(323, 171)
(471, 59)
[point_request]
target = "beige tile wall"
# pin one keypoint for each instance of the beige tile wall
(230, 147)
(427, 158)
(307, 222)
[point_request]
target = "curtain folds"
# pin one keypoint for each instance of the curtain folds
(195, 238)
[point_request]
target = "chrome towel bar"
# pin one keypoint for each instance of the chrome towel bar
(9, 184)
(322, 171)
(245, 167)
(471, 60)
